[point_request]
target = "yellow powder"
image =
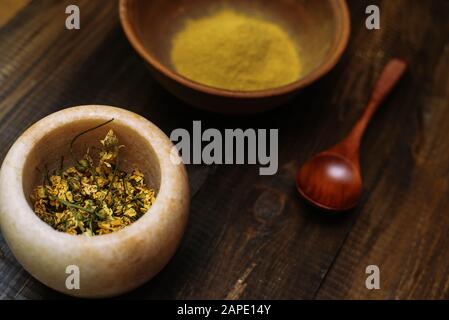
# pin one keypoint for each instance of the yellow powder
(234, 51)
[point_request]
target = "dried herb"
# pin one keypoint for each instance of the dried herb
(93, 199)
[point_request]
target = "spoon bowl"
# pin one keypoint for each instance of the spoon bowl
(330, 182)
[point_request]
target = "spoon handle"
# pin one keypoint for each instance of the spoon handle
(386, 82)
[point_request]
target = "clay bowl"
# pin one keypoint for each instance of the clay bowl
(320, 28)
(108, 264)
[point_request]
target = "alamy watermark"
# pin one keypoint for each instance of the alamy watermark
(72, 282)
(373, 280)
(73, 19)
(234, 146)
(372, 22)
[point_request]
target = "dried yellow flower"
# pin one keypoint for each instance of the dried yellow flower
(93, 200)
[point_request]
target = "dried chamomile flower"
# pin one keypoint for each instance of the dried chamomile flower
(109, 154)
(93, 199)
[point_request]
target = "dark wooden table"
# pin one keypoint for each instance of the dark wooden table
(251, 237)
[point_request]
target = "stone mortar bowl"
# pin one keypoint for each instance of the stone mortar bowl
(108, 264)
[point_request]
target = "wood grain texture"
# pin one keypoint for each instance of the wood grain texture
(9, 8)
(249, 236)
(404, 225)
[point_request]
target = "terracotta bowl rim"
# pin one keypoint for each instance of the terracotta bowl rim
(339, 44)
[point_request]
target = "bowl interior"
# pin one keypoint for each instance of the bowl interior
(47, 152)
(313, 24)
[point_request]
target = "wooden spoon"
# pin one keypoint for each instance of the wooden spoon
(332, 180)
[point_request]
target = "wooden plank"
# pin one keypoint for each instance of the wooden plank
(250, 236)
(404, 228)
